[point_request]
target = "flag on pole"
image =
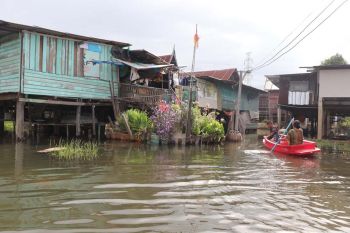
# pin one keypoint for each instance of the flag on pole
(196, 38)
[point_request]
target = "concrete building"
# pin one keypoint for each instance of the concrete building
(319, 98)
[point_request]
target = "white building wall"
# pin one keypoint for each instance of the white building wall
(334, 83)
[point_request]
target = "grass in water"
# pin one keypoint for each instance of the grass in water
(76, 150)
(334, 145)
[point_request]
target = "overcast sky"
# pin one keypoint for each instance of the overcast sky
(228, 29)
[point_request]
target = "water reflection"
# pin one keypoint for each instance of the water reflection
(144, 188)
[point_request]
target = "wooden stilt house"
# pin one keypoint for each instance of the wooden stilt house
(41, 68)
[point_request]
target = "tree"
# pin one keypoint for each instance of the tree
(336, 59)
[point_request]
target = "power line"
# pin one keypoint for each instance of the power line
(286, 37)
(296, 37)
(340, 5)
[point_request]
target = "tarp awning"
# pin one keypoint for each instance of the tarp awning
(141, 66)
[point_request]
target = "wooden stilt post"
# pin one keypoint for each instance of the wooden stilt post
(77, 124)
(98, 132)
(67, 131)
(2, 119)
(320, 120)
(93, 121)
(279, 122)
(19, 121)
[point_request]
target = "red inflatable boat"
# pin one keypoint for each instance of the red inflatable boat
(307, 148)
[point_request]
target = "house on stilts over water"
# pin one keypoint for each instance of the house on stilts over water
(70, 84)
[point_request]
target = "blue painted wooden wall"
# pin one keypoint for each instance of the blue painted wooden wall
(54, 67)
(10, 53)
(228, 95)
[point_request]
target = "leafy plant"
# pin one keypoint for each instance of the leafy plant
(138, 121)
(206, 125)
(181, 115)
(345, 122)
(8, 126)
(213, 129)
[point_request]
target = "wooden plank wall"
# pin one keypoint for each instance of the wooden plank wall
(204, 87)
(53, 66)
(227, 96)
(10, 58)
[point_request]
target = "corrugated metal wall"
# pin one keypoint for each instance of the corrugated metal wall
(10, 53)
(299, 97)
(55, 67)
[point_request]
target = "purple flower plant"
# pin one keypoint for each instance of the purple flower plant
(164, 119)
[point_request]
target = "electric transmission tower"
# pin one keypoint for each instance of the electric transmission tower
(248, 65)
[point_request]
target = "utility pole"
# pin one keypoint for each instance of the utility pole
(235, 135)
(189, 115)
(238, 101)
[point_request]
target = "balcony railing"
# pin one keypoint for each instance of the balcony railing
(142, 94)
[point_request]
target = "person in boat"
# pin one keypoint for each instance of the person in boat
(273, 131)
(295, 135)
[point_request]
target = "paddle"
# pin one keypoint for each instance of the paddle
(284, 133)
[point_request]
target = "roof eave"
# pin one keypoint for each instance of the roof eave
(20, 27)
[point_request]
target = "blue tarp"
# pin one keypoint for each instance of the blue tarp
(116, 63)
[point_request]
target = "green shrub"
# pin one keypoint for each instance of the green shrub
(213, 129)
(197, 120)
(138, 121)
(8, 126)
(345, 122)
(207, 126)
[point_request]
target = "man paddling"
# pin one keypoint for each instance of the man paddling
(273, 131)
(295, 135)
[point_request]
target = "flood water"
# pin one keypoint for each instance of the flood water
(138, 188)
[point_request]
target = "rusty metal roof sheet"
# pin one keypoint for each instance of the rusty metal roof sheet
(224, 75)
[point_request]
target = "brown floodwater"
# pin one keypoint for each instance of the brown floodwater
(143, 188)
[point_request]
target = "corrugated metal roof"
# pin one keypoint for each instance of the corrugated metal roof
(225, 74)
(13, 27)
(144, 56)
(166, 58)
